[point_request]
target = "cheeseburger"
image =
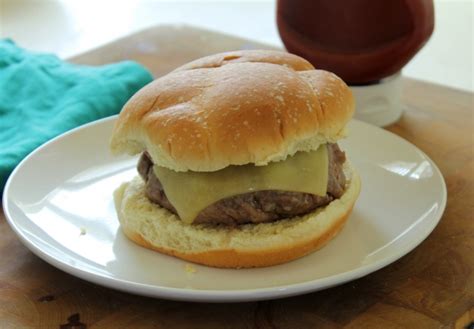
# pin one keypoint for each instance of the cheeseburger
(239, 164)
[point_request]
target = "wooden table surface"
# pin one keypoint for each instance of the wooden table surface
(431, 287)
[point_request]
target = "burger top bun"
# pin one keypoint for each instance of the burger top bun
(234, 108)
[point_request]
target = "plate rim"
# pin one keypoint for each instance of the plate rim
(209, 295)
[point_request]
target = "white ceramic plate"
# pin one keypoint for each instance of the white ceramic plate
(59, 202)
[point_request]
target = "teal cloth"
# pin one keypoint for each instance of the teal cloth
(42, 96)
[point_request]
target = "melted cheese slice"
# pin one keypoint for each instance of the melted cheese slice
(191, 192)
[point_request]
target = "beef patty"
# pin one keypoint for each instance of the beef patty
(254, 207)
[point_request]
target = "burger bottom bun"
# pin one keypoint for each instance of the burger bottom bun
(249, 245)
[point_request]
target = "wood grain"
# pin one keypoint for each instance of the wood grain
(431, 287)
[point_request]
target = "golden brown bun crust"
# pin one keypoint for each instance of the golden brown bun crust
(231, 258)
(253, 245)
(249, 56)
(232, 109)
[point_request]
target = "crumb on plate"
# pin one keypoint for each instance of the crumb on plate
(189, 268)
